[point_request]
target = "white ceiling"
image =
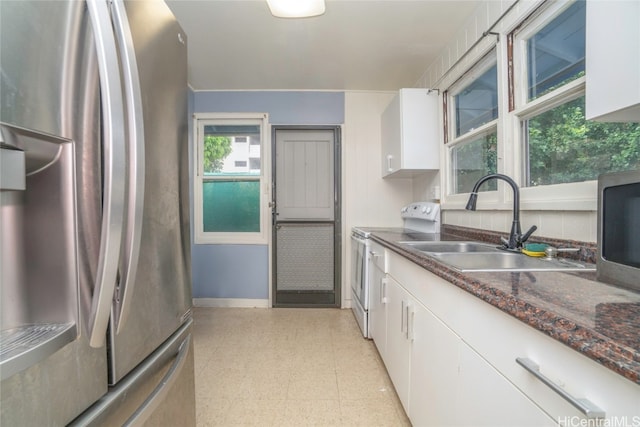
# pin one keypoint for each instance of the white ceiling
(355, 45)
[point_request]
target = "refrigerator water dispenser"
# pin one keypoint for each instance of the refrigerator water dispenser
(38, 271)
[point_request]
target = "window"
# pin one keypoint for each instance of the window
(537, 75)
(477, 103)
(474, 110)
(559, 145)
(472, 160)
(563, 147)
(555, 54)
(229, 177)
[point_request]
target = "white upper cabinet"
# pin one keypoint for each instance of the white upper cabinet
(409, 131)
(613, 61)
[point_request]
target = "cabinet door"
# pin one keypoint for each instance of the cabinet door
(434, 370)
(398, 345)
(391, 135)
(486, 398)
(613, 61)
(409, 131)
(378, 309)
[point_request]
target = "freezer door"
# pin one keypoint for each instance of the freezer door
(159, 392)
(156, 299)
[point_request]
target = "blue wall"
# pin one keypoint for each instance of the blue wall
(284, 108)
(242, 271)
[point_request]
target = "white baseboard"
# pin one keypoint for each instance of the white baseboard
(231, 302)
(242, 302)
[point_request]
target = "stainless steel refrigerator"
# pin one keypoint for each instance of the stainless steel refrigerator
(94, 229)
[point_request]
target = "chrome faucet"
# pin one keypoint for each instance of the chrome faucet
(516, 238)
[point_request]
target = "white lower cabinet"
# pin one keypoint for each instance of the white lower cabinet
(452, 359)
(434, 371)
(486, 398)
(378, 299)
(398, 354)
(440, 380)
(501, 340)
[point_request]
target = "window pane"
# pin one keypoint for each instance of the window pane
(226, 151)
(564, 147)
(474, 160)
(231, 206)
(556, 53)
(477, 103)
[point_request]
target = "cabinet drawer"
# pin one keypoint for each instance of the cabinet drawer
(378, 257)
(501, 339)
(439, 296)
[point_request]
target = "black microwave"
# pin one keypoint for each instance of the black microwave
(618, 260)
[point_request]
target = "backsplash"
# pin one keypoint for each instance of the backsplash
(587, 252)
(579, 226)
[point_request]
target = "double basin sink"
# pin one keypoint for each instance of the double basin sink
(483, 257)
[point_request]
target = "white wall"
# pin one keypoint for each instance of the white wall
(368, 200)
(426, 187)
(572, 225)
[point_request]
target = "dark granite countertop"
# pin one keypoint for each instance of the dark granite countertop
(598, 320)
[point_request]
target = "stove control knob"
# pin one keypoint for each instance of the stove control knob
(424, 209)
(429, 210)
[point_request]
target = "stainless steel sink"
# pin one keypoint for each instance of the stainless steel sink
(506, 261)
(455, 247)
(478, 256)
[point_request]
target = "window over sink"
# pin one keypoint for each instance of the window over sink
(559, 145)
(473, 134)
(540, 137)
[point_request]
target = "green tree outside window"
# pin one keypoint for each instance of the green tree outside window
(216, 149)
(564, 147)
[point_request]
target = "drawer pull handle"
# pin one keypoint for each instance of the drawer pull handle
(383, 291)
(585, 406)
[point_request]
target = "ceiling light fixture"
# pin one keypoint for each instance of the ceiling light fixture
(296, 8)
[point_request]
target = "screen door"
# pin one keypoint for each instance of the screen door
(305, 217)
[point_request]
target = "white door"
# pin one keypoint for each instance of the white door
(304, 175)
(305, 191)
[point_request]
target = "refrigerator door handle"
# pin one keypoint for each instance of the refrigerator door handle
(136, 138)
(159, 394)
(114, 171)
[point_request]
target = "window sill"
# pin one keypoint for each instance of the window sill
(580, 196)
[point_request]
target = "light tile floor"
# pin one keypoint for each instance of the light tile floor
(289, 367)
